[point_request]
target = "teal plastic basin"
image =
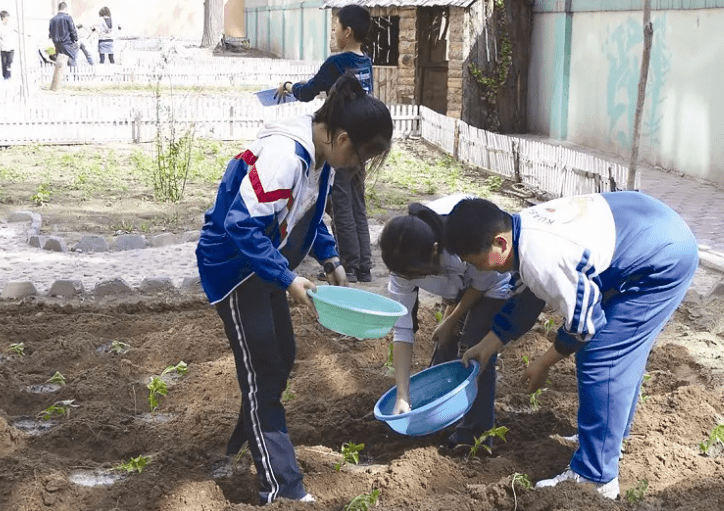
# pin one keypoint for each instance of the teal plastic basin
(355, 312)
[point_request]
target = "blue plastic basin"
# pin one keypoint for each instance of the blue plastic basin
(439, 395)
(355, 312)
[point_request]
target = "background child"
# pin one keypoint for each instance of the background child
(8, 43)
(616, 266)
(266, 218)
(106, 34)
(351, 29)
(412, 248)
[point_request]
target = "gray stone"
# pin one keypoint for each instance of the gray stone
(162, 240)
(67, 289)
(718, 291)
(36, 241)
(20, 216)
(130, 242)
(116, 286)
(191, 285)
(712, 260)
(190, 236)
(55, 244)
(156, 285)
(91, 244)
(18, 290)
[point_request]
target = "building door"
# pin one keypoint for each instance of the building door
(432, 33)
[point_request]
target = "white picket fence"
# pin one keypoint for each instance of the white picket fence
(557, 170)
(97, 119)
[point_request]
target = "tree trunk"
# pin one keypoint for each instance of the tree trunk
(61, 62)
(213, 23)
(648, 39)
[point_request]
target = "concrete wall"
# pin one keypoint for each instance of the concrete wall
(288, 28)
(593, 102)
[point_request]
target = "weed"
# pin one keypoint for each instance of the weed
(124, 227)
(18, 348)
(363, 502)
(288, 395)
(42, 195)
(60, 408)
(388, 366)
(716, 436)
(157, 387)
(136, 464)
(181, 369)
(521, 480)
(499, 432)
(350, 452)
(57, 378)
(636, 494)
(534, 403)
(119, 347)
(494, 183)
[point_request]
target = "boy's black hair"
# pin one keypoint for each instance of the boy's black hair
(365, 118)
(62, 6)
(4, 14)
(473, 224)
(104, 12)
(358, 19)
(408, 242)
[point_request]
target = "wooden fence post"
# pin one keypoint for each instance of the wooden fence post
(61, 61)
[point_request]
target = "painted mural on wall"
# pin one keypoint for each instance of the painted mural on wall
(623, 49)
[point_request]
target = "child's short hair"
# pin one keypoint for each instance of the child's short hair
(358, 19)
(4, 14)
(365, 118)
(473, 224)
(408, 242)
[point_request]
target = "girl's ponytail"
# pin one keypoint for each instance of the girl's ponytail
(432, 219)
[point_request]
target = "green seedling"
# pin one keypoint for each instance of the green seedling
(350, 452)
(363, 502)
(717, 436)
(136, 464)
(549, 325)
(643, 397)
(522, 481)
(57, 378)
(18, 348)
(59, 409)
(534, 404)
(388, 367)
(181, 369)
(119, 347)
(157, 387)
(42, 195)
(499, 432)
(526, 360)
(438, 316)
(636, 494)
(288, 395)
(242, 452)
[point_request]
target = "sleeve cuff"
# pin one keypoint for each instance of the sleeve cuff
(404, 335)
(287, 278)
(566, 344)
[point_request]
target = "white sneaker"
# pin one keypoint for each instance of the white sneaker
(308, 498)
(609, 490)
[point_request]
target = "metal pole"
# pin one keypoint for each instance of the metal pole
(24, 88)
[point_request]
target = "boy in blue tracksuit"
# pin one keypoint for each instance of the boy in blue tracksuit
(616, 266)
(266, 218)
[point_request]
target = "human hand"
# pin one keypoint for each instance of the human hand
(298, 291)
(482, 351)
(281, 92)
(402, 405)
(536, 375)
(338, 277)
(444, 333)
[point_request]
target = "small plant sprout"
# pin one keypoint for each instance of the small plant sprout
(18, 348)
(534, 404)
(526, 360)
(119, 347)
(58, 409)
(181, 369)
(242, 452)
(438, 316)
(716, 437)
(350, 452)
(288, 395)
(57, 378)
(157, 387)
(643, 397)
(636, 494)
(363, 502)
(388, 367)
(499, 432)
(136, 464)
(522, 481)
(549, 325)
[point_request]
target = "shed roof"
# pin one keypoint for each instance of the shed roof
(335, 4)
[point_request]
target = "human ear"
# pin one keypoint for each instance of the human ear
(501, 242)
(341, 137)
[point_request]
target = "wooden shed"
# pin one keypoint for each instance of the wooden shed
(422, 51)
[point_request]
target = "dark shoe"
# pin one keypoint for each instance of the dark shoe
(351, 275)
(322, 276)
(364, 276)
